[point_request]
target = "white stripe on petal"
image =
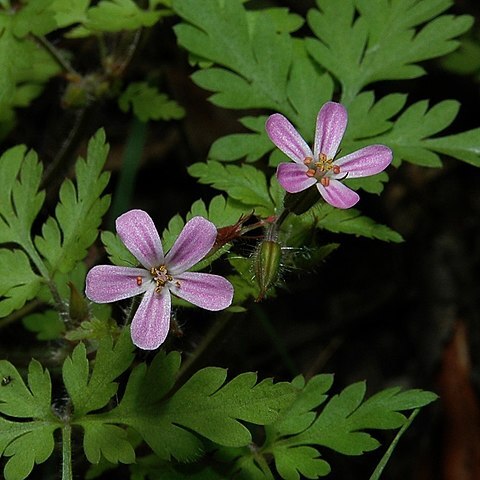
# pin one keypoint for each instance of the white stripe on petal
(194, 242)
(293, 177)
(211, 292)
(138, 233)
(364, 162)
(338, 195)
(108, 283)
(151, 322)
(331, 124)
(284, 135)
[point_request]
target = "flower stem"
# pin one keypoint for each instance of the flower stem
(67, 473)
(57, 55)
(386, 457)
(188, 366)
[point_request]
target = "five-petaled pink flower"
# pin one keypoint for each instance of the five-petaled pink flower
(320, 168)
(159, 275)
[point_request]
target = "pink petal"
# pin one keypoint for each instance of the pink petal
(108, 283)
(194, 242)
(338, 194)
(331, 124)
(293, 177)
(204, 290)
(151, 322)
(137, 231)
(283, 134)
(364, 162)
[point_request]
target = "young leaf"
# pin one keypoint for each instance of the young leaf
(148, 103)
(25, 442)
(92, 391)
(66, 238)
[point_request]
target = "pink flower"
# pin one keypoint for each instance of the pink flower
(160, 275)
(320, 168)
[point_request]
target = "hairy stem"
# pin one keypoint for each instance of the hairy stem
(57, 55)
(67, 473)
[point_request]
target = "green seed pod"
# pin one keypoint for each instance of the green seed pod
(267, 264)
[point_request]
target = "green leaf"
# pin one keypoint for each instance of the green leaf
(114, 16)
(23, 64)
(117, 252)
(92, 390)
(47, 325)
(153, 468)
(26, 442)
(299, 415)
(244, 183)
(415, 124)
(148, 103)
(107, 441)
(349, 221)
(256, 58)
(36, 17)
(296, 461)
(340, 423)
(68, 12)
(66, 238)
(204, 405)
(18, 283)
(252, 146)
(462, 146)
(364, 41)
(283, 20)
(220, 212)
(20, 200)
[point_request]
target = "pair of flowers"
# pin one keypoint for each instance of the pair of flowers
(162, 275)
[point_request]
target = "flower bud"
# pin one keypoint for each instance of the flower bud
(267, 264)
(78, 306)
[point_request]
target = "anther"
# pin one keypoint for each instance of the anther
(308, 160)
(310, 172)
(336, 169)
(325, 181)
(139, 281)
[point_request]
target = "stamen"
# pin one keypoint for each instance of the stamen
(308, 160)
(161, 276)
(336, 169)
(310, 172)
(139, 281)
(325, 181)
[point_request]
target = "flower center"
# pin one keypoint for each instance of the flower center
(161, 277)
(322, 169)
